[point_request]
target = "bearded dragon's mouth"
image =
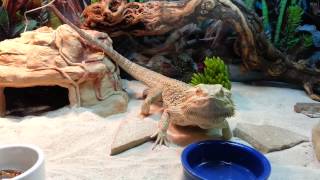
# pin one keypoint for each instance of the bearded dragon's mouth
(214, 108)
(222, 113)
(210, 114)
(226, 113)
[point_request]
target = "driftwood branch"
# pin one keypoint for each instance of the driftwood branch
(117, 17)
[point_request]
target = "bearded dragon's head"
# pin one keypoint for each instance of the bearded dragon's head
(207, 105)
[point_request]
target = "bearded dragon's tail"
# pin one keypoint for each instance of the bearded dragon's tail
(138, 72)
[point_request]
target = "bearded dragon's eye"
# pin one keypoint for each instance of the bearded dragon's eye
(198, 91)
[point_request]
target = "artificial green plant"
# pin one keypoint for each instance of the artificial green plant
(249, 3)
(307, 40)
(265, 14)
(12, 21)
(285, 35)
(215, 72)
(293, 21)
(283, 4)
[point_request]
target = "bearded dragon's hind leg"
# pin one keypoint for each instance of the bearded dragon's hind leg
(153, 96)
(226, 131)
(161, 133)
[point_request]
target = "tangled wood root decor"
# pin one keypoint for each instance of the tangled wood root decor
(152, 18)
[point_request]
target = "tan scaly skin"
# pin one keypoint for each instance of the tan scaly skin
(206, 106)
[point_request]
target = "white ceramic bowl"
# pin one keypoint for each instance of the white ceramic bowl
(26, 158)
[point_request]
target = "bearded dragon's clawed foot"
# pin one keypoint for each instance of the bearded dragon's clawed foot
(161, 133)
(161, 139)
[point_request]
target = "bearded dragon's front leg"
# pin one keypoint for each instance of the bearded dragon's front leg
(162, 130)
(226, 132)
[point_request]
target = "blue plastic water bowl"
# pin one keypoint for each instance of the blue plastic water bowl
(224, 160)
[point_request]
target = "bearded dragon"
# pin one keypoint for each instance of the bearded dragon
(205, 106)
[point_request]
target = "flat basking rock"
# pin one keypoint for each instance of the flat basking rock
(131, 133)
(309, 109)
(268, 138)
(316, 140)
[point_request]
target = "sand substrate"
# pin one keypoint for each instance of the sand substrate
(77, 142)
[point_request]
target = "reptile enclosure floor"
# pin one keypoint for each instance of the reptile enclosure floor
(76, 142)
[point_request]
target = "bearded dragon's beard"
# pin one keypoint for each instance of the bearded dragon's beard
(206, 116)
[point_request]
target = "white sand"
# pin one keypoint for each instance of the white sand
(77, 142)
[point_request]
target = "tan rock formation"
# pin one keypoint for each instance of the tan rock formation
(47, 57)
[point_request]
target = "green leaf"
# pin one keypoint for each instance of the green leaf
(307, 40)
(54, 20)
(249, 3)
(265, 14)
(4, 21)
(294, 19)
(294, 2)
(32, 24)
(19, 28)
(283, 4)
